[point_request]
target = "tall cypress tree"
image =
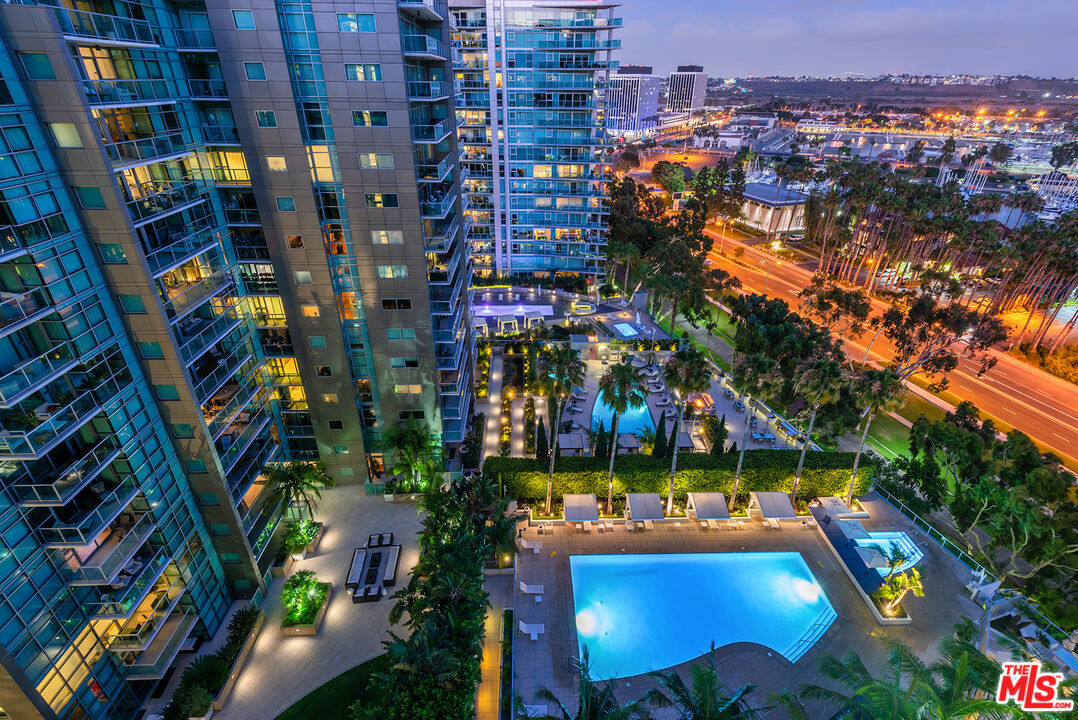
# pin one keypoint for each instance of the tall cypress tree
(718, 439)
(602, 442)
(542, 447)
(673, 439)
(660, 438)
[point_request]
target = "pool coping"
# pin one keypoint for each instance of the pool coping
(880, 618)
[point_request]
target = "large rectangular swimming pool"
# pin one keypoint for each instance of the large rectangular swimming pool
(641, 613)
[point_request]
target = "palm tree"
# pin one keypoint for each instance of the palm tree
(686, 372)
(706, 699)
(878, 390)
(298, 484)
(561, 372)
(595, 701)
(621, 387)
(416, 452)
(819, 384)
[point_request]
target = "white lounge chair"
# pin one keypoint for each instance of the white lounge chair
(536, 590)
(533, 631)
(713, 524)
(628, 526)
(535, 547)
(586, 525)
(610, 526)
(649, 525)
(774, 523)
(703, 525)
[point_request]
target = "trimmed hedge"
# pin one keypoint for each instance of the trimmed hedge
(825, 473)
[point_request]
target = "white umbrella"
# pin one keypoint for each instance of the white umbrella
(853, 530)
(873, 558)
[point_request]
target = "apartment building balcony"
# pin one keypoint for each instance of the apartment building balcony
(242, 216)
(221, 408)
(425, 10)
(206, 89)
(130, 93)
(198, 332)
(578, 22)
(434, 133)
(444, 270)
(140, 632)
(436, 173)
(238, 437)
(453, 431)
(424, 47)
(247, 470)
(570, 42)
(263, 525)
(133, 586)
(31, 375)
(166, 250)
(429, 90)
(30, 434)
(160, 199)
(153, 662)
(441, 235)
(81, 26)
(113, 554)
(195, 40)
(143, 151)
(436, 203)
(19, 309)
(213, 371)
(68, 480)
(89, 513)
(220, 134)
(183, 297)
(448, 357)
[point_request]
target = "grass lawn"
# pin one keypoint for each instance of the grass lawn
(330, 701)
(889, 437)
(682, 333)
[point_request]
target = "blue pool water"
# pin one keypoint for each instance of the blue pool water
(629, 421)
(641, 613)
(626, 330)
(884, 541)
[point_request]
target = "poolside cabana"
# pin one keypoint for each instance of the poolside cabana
(480, 327)
(533, 318)
(685, 443)
(774, 506)
(573, 444)
(628, 444)
(644, 508)
(507, 324)
(580, 510)
(707, 506)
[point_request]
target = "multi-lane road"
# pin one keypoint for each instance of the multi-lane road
(1040, 405)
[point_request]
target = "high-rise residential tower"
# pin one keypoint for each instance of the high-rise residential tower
(687, 89)
(230, 235)
(633, 100)
(534, 78)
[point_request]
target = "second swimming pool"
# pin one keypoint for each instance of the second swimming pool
(640, 613)
(630, 421)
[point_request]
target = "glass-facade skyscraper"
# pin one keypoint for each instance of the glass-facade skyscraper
(230, 235)
(534, 78)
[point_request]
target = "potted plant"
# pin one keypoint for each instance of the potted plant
(305, 599)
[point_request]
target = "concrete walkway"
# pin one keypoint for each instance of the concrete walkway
(282, 670)
(488, 695)
(493, 409)
(516, 419)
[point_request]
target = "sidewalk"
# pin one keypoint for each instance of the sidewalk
(493, 410)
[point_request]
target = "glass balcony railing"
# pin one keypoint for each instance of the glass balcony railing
(153, 662)
(424, 9)
(436, 207)
(225, 405)
(174, 249)
(108, 555)
(181, 298)
(157, 199)
(434, 173)
(152, 620)
(25, 379)
(432, 133)
(146, 149)
(207, 89)
(19, 309)
(423, 45)
(195, 39)
(196, 334)
(53, 425)
(428, 90)
(220, 134)
(210, 374)
(442, 236)
(262, 529)
(247, 470)
(129, 92)
(239, 436)
(71, 479)
(131, 588)
(91, 516)
(111, 28)
(242, 216)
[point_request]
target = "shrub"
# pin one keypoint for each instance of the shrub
(298, 536)
(195, 701)
(825, 473)
(529, 425)
(303, 596)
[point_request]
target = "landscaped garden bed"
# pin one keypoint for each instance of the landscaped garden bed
(305, 599)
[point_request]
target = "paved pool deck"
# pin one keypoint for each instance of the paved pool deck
(548, 661)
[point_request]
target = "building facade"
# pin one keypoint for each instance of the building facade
(633, 101)
(229, 236)
(534, 79)
(686, 89)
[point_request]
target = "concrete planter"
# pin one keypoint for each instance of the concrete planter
(310, 628)
(402, 497)
(207, 716)
(310, 548)
(234, 672)
(881, 619)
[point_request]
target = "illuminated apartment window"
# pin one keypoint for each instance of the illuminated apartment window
(329, 398)
(387, 237)
(309, 311)
(392, 272)
(295, 242)
(376, 161)
(276, 163)
(366, 72)
(408, 389)
(382, 200)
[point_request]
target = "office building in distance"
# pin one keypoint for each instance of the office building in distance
(534, 79)
(633, 101)
(686, 89)
(230, 236)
